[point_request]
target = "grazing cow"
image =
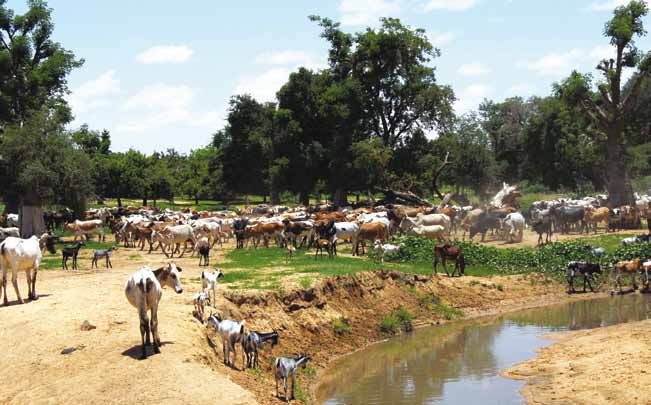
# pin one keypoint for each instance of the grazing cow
(371, 231)
(564, 217)
(23, 254)
(486, 221)
(345, 231)
(584, 269)
(143, 290)
(211, 230)
(630, 267)
(70, 252)
(434, 219)
(251, 342)
(231, 332)
(435, 232)
(543, 225)
(299, 230)
(209, 282)
(239, 228)
(284, 367)
(513, 227)
(321, 245)
(203, 245)
(106, 254)
(446, 252)
(173, 236)
(7, 232)
(86, 228)
(594, 216)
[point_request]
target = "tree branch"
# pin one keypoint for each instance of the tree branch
(437, 173)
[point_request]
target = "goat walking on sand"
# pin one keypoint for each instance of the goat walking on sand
(200, 300)
(231, 332)
(251, 342)
(143, 290)
(105, 254)
(285, 367)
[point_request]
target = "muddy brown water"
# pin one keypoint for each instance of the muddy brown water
(460, 363)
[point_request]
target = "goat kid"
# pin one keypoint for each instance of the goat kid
(286, 367)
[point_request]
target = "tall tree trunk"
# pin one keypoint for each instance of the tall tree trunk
(275, 197)
(119, 202)
(264, 199)
(305, 198)
(196, 199)
(144, 201)
(340, 198)
(31, 221)
(620, 191)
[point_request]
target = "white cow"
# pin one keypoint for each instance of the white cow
(144, 290)
(513, 226)
(175, 235)
(433, 219)
(431, 228)
(80, 228)
(23, 254)
(346, 230)
(7, 232)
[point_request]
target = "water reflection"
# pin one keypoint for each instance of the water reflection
(460, 363)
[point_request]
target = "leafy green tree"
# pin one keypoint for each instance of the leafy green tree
(33, 67)
(392, 66)
(39, 165)
(195, 178)
(608, 107)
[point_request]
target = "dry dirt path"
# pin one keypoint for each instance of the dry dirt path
(105, 368)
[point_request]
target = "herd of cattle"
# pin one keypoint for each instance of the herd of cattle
(176, 232)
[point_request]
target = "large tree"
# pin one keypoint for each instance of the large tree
(609, 107)
(392, 65)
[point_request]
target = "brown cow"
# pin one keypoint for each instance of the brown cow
(446, 252)
(371, 231)
(593, 217)
(629, 267)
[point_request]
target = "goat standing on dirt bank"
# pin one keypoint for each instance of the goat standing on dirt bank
(286, 366)
(144, 290)
(231, 332)
(209, 282)
(251, 342)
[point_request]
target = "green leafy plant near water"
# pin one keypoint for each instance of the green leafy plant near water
(397, 320)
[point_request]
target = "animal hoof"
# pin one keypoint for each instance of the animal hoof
(156, 350)
(143, 357)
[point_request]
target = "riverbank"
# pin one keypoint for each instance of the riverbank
(600, 366)
(306, 318)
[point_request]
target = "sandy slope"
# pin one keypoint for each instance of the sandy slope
(601, 366)
(105, 366)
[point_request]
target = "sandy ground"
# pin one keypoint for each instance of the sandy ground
(105, 366)
(600, 366)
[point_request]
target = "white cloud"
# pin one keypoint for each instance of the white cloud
(94, 93)
(161, 105)
(366, 12)
(470, 97)
(561, 63)
(165, 54)
(263, 87)
(473, 69)
(440, 38)
(451, 5)
(290, 57)
(608, 5)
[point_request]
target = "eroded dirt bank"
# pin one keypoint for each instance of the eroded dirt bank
(304, 317)
(599, 366)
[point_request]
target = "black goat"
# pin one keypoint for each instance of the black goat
(251, 342)
(70, 252)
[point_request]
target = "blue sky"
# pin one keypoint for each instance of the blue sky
(159, 74)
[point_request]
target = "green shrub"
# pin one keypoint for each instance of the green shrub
(499, 287)
(448, 312)
(389, 325)
(341, 326)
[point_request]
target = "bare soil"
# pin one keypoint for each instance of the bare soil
(103, 364)
(600, 366)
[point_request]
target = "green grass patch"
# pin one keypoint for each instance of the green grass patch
(397, 320)
(341, 326)
(448, 312)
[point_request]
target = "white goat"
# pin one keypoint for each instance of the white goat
(200, 300)
(231, 333)
(286, 366)
(26, 255)
(144, 290)
(381, 250)
(209, 282)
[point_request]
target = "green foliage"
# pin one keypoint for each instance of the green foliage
(399, 319)
(448, 312)
(341, 326)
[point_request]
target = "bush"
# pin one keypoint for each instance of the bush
(389, 325)
(341, 326)
(448, 312)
